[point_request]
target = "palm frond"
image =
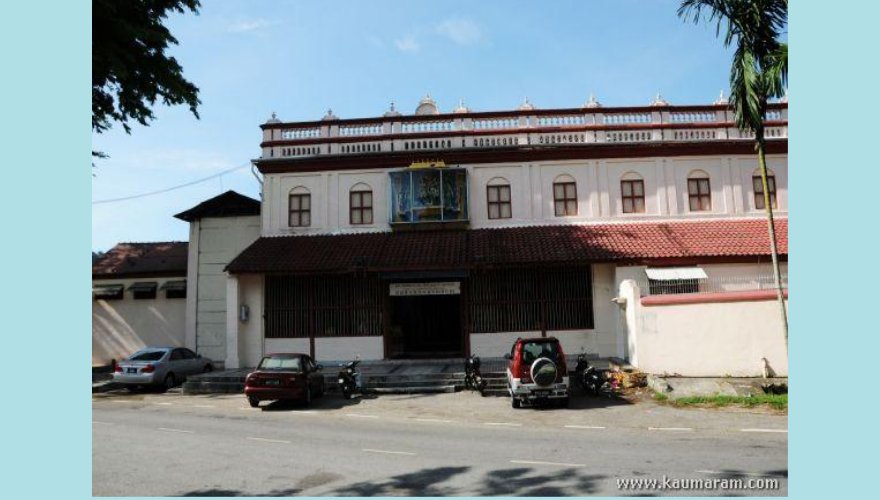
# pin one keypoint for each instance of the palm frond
(775, 71)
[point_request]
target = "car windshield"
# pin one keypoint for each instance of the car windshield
(147, 356)
(534, 350)
(287, 364)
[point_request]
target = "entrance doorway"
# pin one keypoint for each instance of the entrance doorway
(426, 326)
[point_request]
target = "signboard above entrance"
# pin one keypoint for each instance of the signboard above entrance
(431, 288)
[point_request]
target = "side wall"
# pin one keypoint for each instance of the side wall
(709, 339)
(121, 327)
(220, 239)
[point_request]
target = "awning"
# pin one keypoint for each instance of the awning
(675, 273)
(176, 285)
(107, 289)
(143, 286)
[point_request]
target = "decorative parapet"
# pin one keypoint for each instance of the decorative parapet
(527, 127)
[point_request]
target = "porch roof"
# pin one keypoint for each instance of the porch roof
(633, 242)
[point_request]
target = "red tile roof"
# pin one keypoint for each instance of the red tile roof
(554, 244)
(142, 259)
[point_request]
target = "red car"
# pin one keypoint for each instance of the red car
(537, 372)
(284, 376)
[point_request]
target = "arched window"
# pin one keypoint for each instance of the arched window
(632, 193)
(360, 204)
(300, 207)
(565, 196)
(498, 198)
(758, 188)
(699, 192)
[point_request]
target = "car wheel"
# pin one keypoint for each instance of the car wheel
(308, 399)
(515, 403)
(254, 402)
(170, 381)
(208, 368)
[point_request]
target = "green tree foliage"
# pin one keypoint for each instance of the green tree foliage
(130, 67)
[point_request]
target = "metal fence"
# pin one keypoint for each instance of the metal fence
(712, 284)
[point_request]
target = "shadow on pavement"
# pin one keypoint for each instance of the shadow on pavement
(327, 402)
(446, 481)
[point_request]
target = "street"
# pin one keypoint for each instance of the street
(423, 445)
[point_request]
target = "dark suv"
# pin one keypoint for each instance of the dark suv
(537, 372)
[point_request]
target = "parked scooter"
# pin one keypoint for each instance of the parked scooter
(594, 382)
(350, 380)
(473, 379)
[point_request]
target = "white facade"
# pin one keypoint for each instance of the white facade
(598, 192)
(321, 159)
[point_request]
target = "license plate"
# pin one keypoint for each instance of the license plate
(272, 381)
(541, 394)
(132, 370)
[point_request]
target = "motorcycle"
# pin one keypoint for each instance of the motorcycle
(473, 379)
(350, 380)
(594, 382)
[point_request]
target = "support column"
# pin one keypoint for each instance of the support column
(232, 325)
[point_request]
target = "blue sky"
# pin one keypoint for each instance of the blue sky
(300, 58)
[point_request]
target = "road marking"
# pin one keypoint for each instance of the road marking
(266, 440)
(200, 406)
(119, 401)
(247, 408)
(370, 450)
(538, 462)
(305, 412)
(584, 427)
(175, 430)
(103, 423)
(509, 424)
(436, 420)
(764, 430)
(733, 473)
(163, 404)
(358, 415)
(681, 429)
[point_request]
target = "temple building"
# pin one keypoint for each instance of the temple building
(637, 232)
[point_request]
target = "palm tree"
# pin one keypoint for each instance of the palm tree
(758, 73)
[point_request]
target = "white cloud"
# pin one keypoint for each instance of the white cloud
(407, 44)
(461, 31)
(250, 26)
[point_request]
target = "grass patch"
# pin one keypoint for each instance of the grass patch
(776, 401)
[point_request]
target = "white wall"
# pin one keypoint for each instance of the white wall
(287, 345)
(496, 345)
(598, 189)
(712, 339)
(217, 241)
(346, 348)
(121, 327)
(250, 332)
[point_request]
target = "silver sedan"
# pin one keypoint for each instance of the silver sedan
(160, 366)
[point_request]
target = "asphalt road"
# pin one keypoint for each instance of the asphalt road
(201, 446)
